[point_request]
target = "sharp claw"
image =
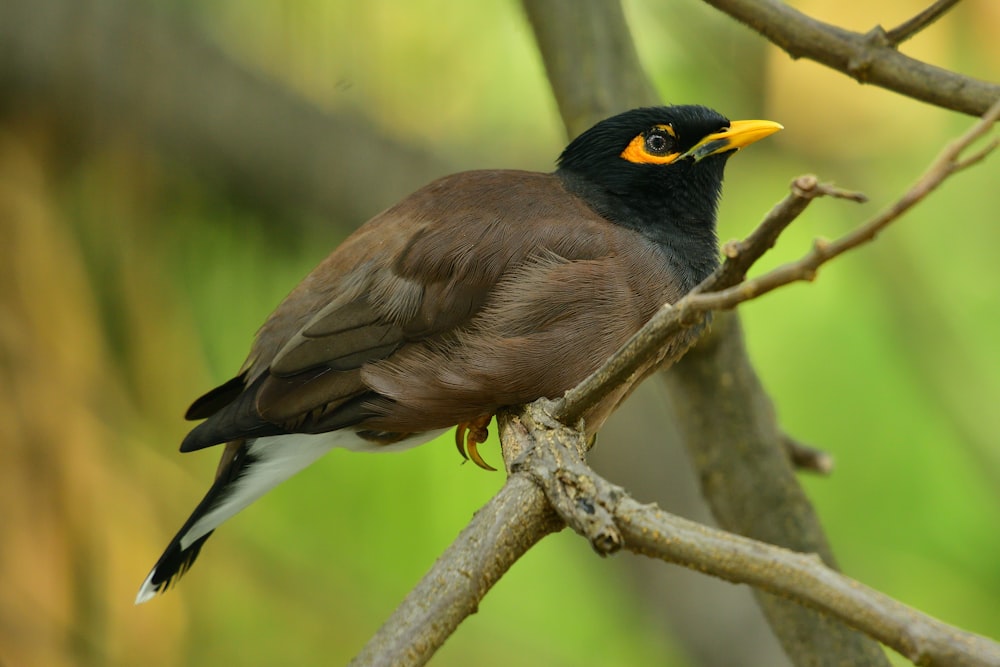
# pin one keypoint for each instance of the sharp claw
(460, 431)
(473, 448)
(468, 436)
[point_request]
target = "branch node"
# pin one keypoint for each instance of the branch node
(585, 506)
(806, 457)
(688, 316)
(977, 156)
(877, 37)
(545, 416)
(860, 63)
(822, 246)
(732, 248)
(607, 543)
(805, 186)
(808, 186)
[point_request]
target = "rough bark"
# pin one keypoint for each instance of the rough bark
(594, 71)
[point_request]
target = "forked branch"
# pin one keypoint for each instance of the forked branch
(547, 472)
(552, 454)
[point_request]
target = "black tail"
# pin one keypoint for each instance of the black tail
(174, 562)
(177, 558)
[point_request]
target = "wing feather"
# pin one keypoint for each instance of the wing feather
(477, 291)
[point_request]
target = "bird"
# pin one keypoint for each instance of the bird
(481, 290)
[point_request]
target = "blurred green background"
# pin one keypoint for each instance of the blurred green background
(134, 271)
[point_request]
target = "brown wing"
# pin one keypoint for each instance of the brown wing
(481, 290)
(547, 325)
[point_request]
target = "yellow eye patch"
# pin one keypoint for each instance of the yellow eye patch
(646, 148)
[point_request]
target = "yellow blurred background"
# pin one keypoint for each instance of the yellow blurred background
(132, 279)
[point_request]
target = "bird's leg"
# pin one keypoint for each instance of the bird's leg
(468, 436)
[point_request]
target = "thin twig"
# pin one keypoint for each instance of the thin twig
(741, 255)
(722, 291)
(948, 162)
(911, 27)
(805, 457)
(666, 323)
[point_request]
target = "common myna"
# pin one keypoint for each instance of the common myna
(481, 290)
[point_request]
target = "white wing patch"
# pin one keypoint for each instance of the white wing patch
(272, 460)
(276, 458)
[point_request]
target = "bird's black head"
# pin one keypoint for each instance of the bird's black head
(659, 170)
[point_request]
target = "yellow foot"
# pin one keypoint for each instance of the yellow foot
(468, 436)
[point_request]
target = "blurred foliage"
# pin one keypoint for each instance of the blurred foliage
(127, 287)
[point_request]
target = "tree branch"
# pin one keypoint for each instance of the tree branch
(498, 535)
(924, 19)
(752, 490)
(869, 58)
(552, 454)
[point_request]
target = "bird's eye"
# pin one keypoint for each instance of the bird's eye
(657, 142)
(657, 145)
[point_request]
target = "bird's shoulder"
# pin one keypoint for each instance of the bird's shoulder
(426, 264)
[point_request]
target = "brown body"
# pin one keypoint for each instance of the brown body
(417, 317)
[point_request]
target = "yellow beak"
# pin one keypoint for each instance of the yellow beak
(740, 133)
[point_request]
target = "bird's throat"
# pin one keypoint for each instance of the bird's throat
(682, 224)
